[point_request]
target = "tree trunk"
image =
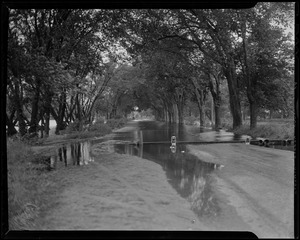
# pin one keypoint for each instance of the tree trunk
(250, 92)
(169, 116)
(200, 101)
(253, 115)
(115, 106)
(244, 113)
(19, 108)
(10, 127)
(47, 112)
(234, 98)
(212, 112)
(180, 112)
(175, 113)
(216, 99)
(35, 108)
(217, 117)
(202, 114)
(42, 127)
(78, 108)
(61, 113)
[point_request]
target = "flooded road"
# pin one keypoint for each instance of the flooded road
(187, 174)
(229, 187)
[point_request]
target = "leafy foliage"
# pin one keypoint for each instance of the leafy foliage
(79, 64)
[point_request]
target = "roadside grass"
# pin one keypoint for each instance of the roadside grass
(272, 130)
(28, 180)
(30, 184)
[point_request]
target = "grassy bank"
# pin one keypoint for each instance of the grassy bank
(30, 184)
(271, 130)
(28, 180)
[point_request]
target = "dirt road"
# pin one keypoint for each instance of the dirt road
(255, 188)
(117, 192)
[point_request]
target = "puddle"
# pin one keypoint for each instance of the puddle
(71, 154)
(187, 174)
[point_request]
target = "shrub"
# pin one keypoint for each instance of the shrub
(118, 117)
(74, 126)
(272, 131)
(190, 120)
(116, 123)
(94, 130)
(226, 124)
(100, 120)
(100, 127)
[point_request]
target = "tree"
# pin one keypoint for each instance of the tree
(265, 56)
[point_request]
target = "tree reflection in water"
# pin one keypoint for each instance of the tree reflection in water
(192, 179)
(190, 176)
(72, 154)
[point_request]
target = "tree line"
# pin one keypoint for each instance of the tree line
(73, 64)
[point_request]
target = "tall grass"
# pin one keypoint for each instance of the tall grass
(270, 130)
(27, 182)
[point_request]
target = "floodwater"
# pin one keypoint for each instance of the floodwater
(190, 176)
(71, 154)
(187, 174)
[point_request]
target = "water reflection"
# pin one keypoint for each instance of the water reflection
(72, 154)
(190, 176)
(186, 173)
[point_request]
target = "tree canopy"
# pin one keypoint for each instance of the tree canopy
(76, 64)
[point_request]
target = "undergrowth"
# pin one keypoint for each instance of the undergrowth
(97, 129)
(27, 183)
(271, 131)
(116, 123)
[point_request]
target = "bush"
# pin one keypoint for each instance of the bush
(271, 131)
(93, 130)
(116, 123)
(100, 127)
(100, 120)
(226, 124)
(190, 120)
(74, 126)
